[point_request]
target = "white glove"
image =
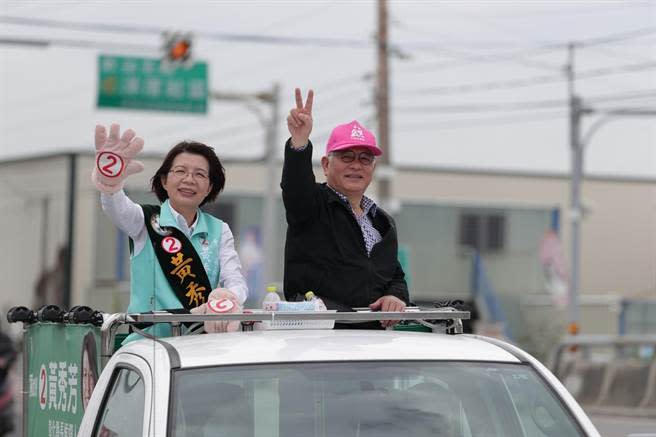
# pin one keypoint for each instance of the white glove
(220, 301)
(114, 158)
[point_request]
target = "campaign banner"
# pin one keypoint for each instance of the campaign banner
(62, 370)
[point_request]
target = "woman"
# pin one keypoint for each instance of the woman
(89, 366)
(179, 254)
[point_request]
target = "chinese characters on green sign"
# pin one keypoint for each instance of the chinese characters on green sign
(61, 372)
(149, 84)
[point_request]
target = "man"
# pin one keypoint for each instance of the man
(339, 243)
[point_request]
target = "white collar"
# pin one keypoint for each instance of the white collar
(182, 223)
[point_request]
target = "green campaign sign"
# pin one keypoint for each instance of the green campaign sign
(62, 370)
(150, 84)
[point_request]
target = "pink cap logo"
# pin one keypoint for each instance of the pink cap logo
(352, 134)
(356, 132)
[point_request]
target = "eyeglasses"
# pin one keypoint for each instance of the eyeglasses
(348, 156)
(197, 175)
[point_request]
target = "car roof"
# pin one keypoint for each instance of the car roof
(275, 346)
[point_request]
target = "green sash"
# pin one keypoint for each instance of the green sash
(178, 260)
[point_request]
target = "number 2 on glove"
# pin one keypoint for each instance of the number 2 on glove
(110, 164)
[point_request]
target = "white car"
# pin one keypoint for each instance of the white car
(319, 383)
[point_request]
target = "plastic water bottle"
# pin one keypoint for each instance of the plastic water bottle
(271, 299)
(318, 303)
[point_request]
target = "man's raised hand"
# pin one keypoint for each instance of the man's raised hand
(299, 121)
(114, 157)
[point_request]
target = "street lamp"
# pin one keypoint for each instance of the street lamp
(270, 124)
(578, 145)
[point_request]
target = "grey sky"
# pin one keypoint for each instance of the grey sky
(480, 85)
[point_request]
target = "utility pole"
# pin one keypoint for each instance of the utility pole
(577, 109)
(576, 211)
(70, 231)
(382, 107)
(272, 181)
(270, 124)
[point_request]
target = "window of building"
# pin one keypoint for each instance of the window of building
(484, 232)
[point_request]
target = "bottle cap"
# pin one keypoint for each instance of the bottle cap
(309, 295)
(220, 305)
(272, 287)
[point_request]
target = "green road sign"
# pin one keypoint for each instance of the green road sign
(147, 83)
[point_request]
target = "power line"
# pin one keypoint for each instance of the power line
(271, 61)
(454, 124)
(629, 68)
(521, 105)
(629, 95)
(613, 53)
(617, 37)
(249, 126)
(485, 86)
(464, 58)
(527, 82)
(474, 122)
(304, 40)
(507, 106)
(630, 112)
(218, 36)
(608, 8)
(513, 56)
(74, 43)
(313, 13)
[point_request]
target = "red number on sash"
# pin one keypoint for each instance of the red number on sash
(171, 245)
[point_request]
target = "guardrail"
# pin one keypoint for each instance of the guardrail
(613, 375)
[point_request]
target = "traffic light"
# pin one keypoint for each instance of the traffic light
(177, 47)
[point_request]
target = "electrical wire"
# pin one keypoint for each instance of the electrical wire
(494, 107)
(217, 36)
(463, 59)
(75, 43)
(522, 105)
(313, 12)
(512, 56)
(476, 122)
(620, 55)
(627, 95)
(528, 81)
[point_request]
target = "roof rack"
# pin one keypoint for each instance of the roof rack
(444, 320)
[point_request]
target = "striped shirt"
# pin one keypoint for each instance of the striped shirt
(369, 232)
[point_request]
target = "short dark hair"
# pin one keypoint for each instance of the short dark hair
(217, 172)
(89, 345)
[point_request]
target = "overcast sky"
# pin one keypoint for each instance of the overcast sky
(473, 84)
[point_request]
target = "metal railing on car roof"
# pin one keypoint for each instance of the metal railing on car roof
(442, 320)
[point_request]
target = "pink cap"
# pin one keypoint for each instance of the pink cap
(352, 134)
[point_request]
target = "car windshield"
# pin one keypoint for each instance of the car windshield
(361, 399)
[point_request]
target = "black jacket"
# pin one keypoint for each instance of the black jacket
(325, 250)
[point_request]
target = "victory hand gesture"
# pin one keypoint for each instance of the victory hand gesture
(299, 121)
(114, 154)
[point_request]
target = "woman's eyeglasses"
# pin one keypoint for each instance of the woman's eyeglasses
(197, 175)
(348, 156)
